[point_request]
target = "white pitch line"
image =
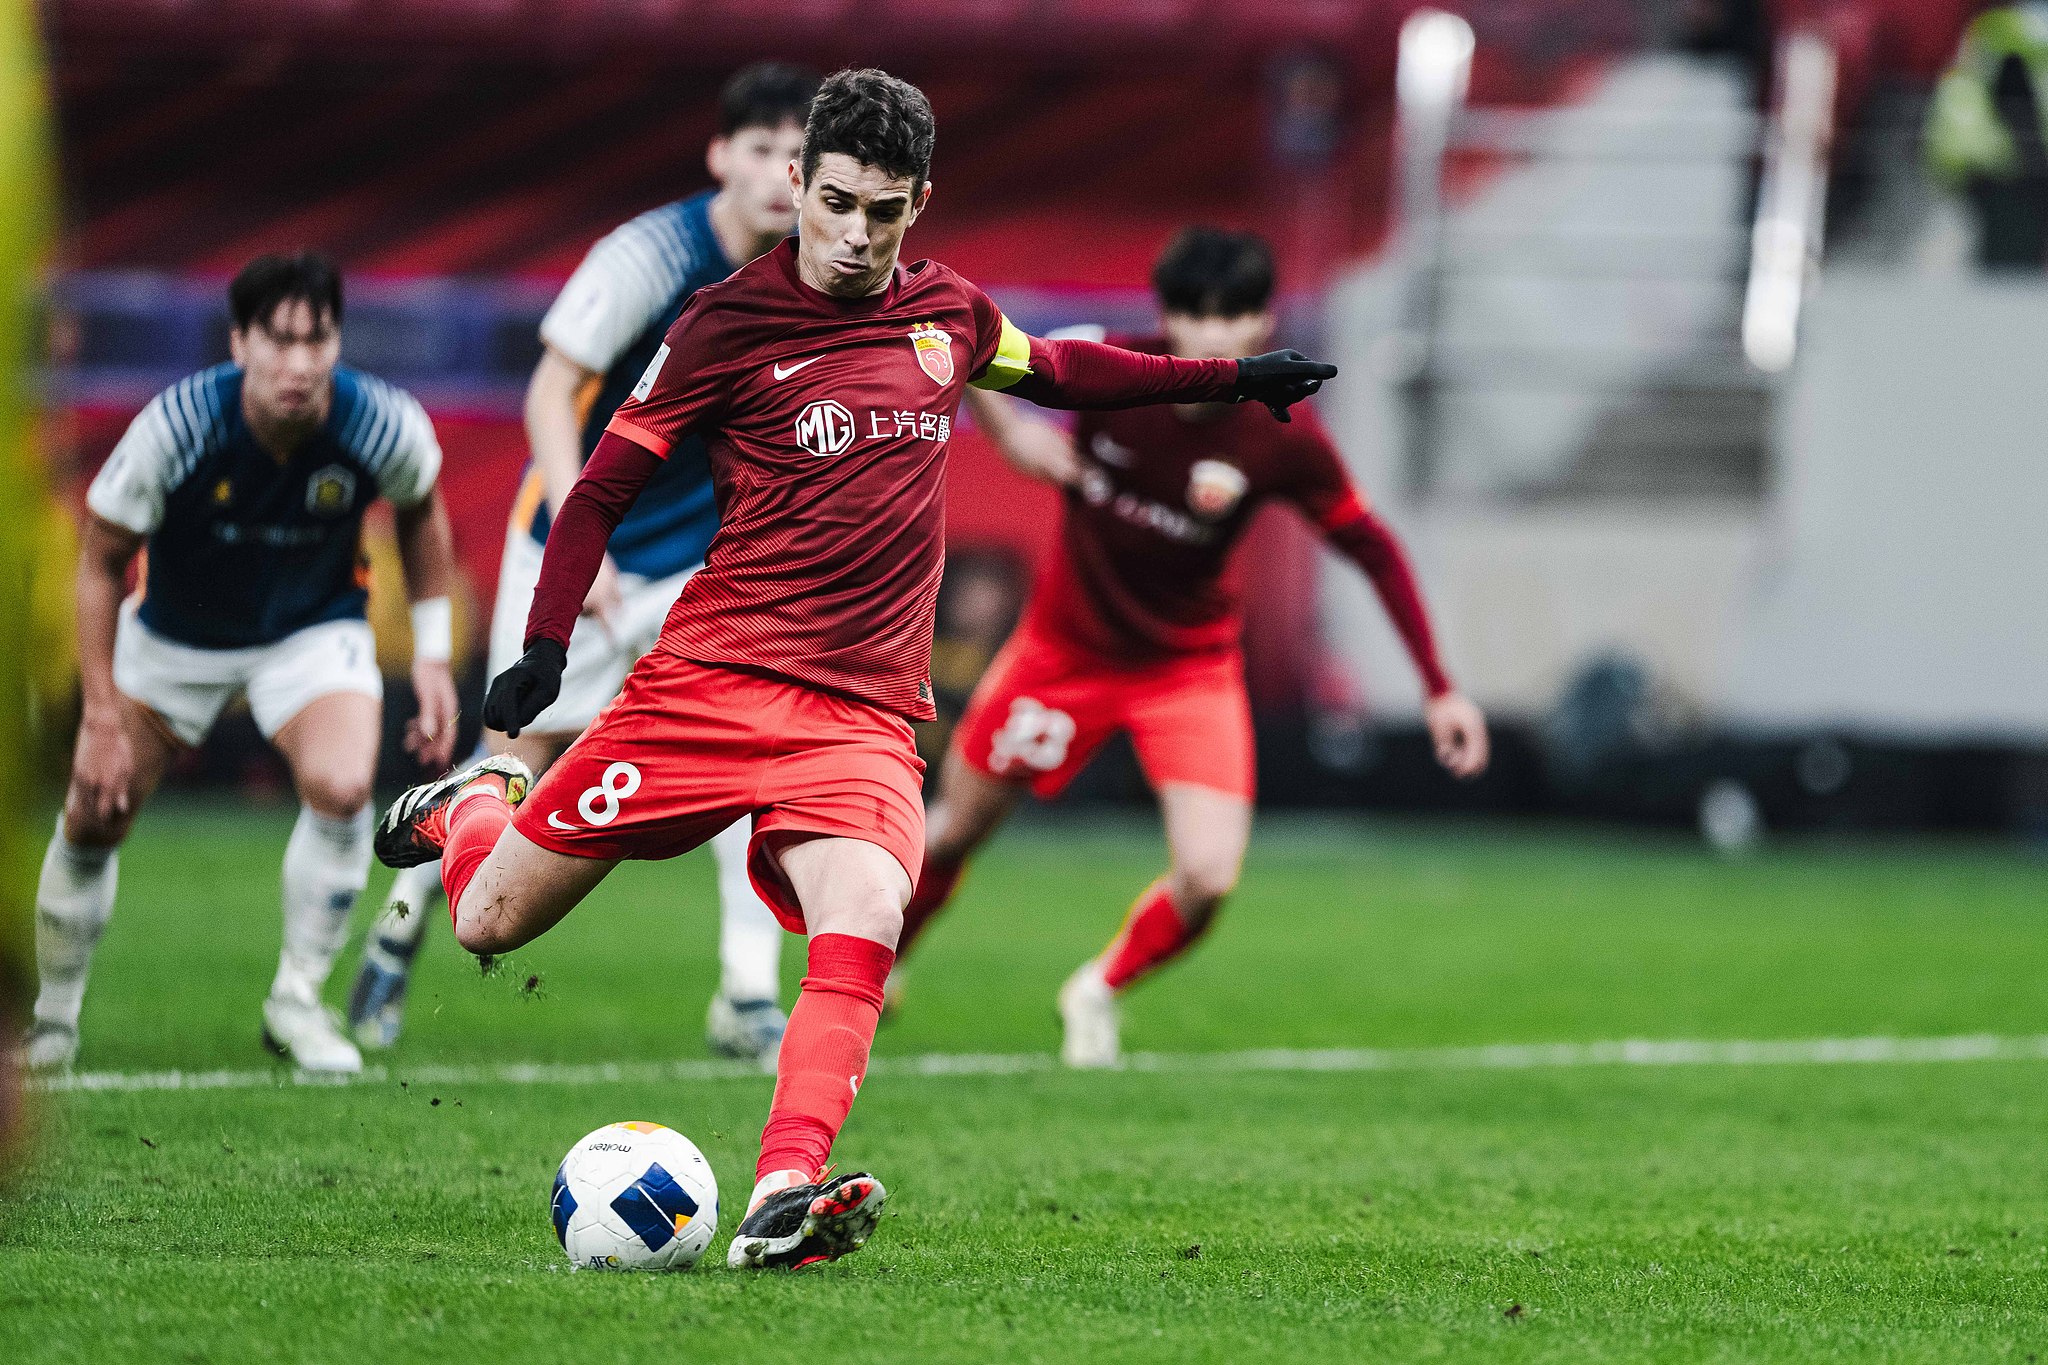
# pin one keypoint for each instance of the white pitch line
(1971, 1047)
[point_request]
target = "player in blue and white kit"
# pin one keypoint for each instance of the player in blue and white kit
(598, 339)
(247, 483)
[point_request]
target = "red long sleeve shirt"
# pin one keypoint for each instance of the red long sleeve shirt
(1146, 538)
(827, 422)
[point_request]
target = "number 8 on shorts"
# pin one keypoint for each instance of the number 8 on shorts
(600, 804)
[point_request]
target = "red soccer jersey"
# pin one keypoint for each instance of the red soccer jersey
(827, 421)
(1146, 538)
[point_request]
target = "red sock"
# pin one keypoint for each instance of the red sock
(824, 1052)
(935, 885)
(1154, 933)
(473, 829)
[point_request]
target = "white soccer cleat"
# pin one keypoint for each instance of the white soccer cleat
(747, 1030)
(415, 828)
(49, 1047)
(309, 1034)
(1088, 1012)
(376, 1004)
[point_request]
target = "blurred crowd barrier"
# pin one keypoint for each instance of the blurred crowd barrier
(1666, 328)
(458, 159)
(1566, 405)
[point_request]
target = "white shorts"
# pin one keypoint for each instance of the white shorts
(189, 687)
(598, 661)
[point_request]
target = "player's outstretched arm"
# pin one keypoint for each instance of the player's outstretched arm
(1280, 379)
(426, 551)
(124, 507)
(1072, 373)
(616, 472)
(103, 768)
(556, 397)
(1457, 728)
(1321, 489)
(1030, 445)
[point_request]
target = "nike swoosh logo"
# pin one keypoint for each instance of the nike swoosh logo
(781, 373)
(555, 819)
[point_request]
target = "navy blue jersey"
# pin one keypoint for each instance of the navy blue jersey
(610, 319)
(244, 548)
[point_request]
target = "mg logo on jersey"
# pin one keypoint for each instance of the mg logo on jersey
(329, 492)
(934, 351)
(1214, 489)
(824, 428)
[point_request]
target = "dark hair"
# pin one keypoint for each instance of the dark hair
(875, 119)
(1208, 272)
(268, 281)
(766, 95)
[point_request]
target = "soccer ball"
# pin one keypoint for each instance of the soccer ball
(635, 1196)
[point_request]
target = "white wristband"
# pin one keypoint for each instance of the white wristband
(433, 630)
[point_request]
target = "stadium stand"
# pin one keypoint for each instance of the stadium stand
(458, 157)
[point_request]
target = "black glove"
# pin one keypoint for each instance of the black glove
(525, 689)
(1279, 379)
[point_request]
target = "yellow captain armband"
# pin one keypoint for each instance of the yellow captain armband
(1011, 362)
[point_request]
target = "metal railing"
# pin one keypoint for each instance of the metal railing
(1792, 207)
(1647, 340)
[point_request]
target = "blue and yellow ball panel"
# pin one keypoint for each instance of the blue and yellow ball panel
(655, 1207)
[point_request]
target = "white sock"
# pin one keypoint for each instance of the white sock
(326, 866)
(415, 895)
(749, 935)
(74, 901)
(775, 1182)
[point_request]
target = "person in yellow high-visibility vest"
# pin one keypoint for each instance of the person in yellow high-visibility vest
(27, 189)
(1987, 133)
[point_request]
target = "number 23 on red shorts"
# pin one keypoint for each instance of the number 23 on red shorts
(1044, 708)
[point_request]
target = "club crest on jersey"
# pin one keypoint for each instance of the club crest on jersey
(934, 351)
(1214, 489)
(330, 491)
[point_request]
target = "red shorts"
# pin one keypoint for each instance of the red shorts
(686, 749)
(1046, 705)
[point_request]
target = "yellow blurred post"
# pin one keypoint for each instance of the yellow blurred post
(27, 210)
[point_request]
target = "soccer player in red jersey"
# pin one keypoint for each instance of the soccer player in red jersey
(1134, 626)
(824, 377)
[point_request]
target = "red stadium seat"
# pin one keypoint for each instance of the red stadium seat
(1124, 14)
(789, 14)
(938, 15)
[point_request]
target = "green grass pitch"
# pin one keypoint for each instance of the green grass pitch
(1590, 1213)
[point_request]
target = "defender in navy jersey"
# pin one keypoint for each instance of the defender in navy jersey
(247, 484)
(598, 338)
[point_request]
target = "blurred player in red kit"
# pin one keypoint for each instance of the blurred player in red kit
(824, 378)
(1134, 626)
